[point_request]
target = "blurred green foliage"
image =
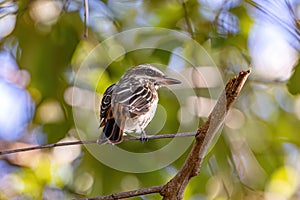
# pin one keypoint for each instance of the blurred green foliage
(293, 85)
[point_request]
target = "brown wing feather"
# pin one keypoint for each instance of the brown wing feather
(106, 105)
(113, 119)
(140, 102)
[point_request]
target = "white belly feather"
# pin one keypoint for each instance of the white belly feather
(139, 123)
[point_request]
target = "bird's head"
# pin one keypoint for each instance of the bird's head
(147, 72)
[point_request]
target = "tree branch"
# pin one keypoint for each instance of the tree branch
(46, 146)
(174, 189)
(133, 193)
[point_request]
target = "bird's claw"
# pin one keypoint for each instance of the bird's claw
(144, 139)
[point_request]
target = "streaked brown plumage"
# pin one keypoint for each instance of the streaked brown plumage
(130, 104)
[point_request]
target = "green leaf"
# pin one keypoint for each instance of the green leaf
(294, 84)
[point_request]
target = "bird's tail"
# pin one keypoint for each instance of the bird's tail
(112, 133)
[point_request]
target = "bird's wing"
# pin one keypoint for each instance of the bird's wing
(112, 119)
(140, 101)
(114, 126)
(106, 105)
(135, 98)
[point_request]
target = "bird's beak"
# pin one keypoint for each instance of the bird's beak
(169, 81)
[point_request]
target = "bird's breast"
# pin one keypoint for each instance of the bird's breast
(140, 122)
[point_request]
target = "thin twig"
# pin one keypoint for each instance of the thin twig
(133, 193)
(46, 146)
(273, 16)
(187, 19)
(86, 18)
(163, 136)
(66, 4)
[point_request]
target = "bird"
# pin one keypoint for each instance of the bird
(129, 105)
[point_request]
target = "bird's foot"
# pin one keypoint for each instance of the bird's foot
(143, 137)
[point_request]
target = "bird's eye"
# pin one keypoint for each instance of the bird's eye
(149, 72)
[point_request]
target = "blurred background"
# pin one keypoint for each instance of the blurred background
(42, 48)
